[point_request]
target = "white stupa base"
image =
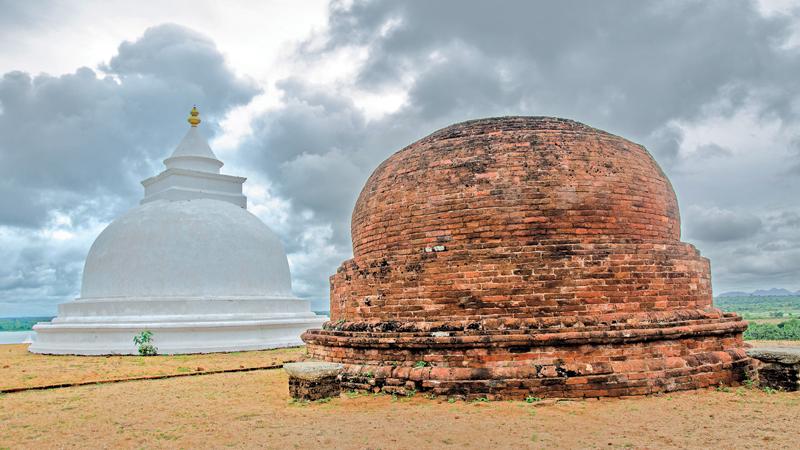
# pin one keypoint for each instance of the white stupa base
(179, 325)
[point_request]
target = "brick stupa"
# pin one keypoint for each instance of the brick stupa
(525, 256)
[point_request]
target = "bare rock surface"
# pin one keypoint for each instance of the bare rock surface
(779, 367)
(312, 370)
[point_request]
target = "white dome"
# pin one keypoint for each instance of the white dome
(192, 248)
(189, 264)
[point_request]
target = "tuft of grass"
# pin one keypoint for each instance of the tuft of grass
(722, 388)
(768, 390)
(166, 436)
(532, 399)
(421, 364)
(352, 394)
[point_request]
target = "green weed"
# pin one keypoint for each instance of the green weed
(144, 341)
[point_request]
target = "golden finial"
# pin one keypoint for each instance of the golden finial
(194, 117)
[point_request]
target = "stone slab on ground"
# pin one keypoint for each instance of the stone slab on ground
(313, 380)
(779, 367)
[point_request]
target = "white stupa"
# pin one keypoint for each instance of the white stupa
(190, 264)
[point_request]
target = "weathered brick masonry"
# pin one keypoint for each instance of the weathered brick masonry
(525, 256)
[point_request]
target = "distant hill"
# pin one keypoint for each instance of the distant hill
(773, 292)
(734, 294)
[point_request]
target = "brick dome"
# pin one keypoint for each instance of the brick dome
(496, 246)
(511, 181)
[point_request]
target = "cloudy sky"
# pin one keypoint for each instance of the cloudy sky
(305, 99)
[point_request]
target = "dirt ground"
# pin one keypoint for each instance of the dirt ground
(774, 343)
(18, 368)
(253, 409)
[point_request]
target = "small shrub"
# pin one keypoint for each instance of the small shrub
(722, 388)
(532, 399)
(421, 364)
(768, 390)
(144, 341)
(353, 394)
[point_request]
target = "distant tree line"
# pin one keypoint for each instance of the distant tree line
(789, 330)
(20, 323)
(761, 307)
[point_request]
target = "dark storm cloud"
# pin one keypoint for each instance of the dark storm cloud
(75, 146)
(629, 66)
(38, 273)
(182, 59)
(716, 225)
(713, 151)
(633, 68)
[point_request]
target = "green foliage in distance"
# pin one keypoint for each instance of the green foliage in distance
(789, 331)
(771, 318)
(21, 323)
(756, 307)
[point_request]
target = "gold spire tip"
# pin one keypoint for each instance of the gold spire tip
(194, 117)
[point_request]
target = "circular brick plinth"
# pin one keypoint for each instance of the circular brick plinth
(525, 256)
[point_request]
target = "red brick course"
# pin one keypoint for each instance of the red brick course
(501, 246)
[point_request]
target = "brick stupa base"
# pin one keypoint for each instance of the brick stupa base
(589, 361)
(525, 256)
